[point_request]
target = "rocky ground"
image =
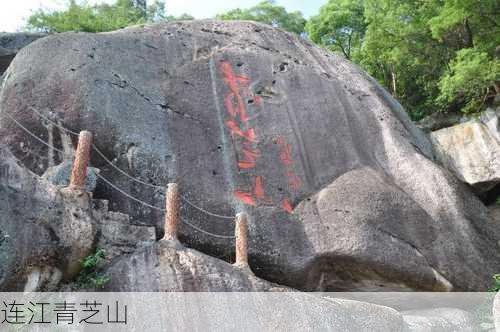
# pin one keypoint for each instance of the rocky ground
(344, 192)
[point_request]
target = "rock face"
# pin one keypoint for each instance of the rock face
(357, 201)
(372, 317)
(60, 176)
(46, 231)
(439, 120)
(472, 151)
(494, 213)
(11, 44)
(165, 267)
(340, 185)
(440, 319)
(36, 243)
(490, 119)
(496, 311)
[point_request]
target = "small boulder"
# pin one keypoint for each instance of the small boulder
(471, 151)
(60, 175)
(439, 120)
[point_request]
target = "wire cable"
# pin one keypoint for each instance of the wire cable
(163, 210)
(53, 122)
(123, 172)
(117, 188)
(33, 135)
(123, 192)
(103, 156)
(205, 211)
(205, 232)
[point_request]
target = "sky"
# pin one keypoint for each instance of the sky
(14, 13)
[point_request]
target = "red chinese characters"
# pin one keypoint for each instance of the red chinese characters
(287, 162)
(246, 140)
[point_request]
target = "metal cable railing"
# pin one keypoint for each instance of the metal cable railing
(103, 156)
(112, 185)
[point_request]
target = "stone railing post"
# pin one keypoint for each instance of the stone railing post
(81, 162)
(241, 234)
(172, 211)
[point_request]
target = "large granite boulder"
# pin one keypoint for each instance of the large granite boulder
(250, 118)
(12, 43)
(472, 151)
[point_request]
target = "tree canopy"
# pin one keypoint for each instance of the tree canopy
(81, 16)
(431, 55)
(340, 25)
(270, 13)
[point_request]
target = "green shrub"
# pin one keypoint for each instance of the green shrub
(89, 277)
(496, 283)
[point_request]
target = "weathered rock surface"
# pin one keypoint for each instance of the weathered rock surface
(46, 231)
(60, 176)
(439, 120)
(496, 311)
(494, 213)
(11, 44)
(472, 151)
(167, 267)
(247, 117)
(357, 202)
(439, 320)
(117, 235)
(490, 119)
(372, 317)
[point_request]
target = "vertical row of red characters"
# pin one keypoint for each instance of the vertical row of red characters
(240, 125)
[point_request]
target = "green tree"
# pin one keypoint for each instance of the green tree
(468, 23)
(81, 16)
(340, 26)
(469, 80)
(471, 29)
(399, 50)
(270, 13)
(431, 55)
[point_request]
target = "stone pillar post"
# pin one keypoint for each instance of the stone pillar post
(81, 162)
(172, 211)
